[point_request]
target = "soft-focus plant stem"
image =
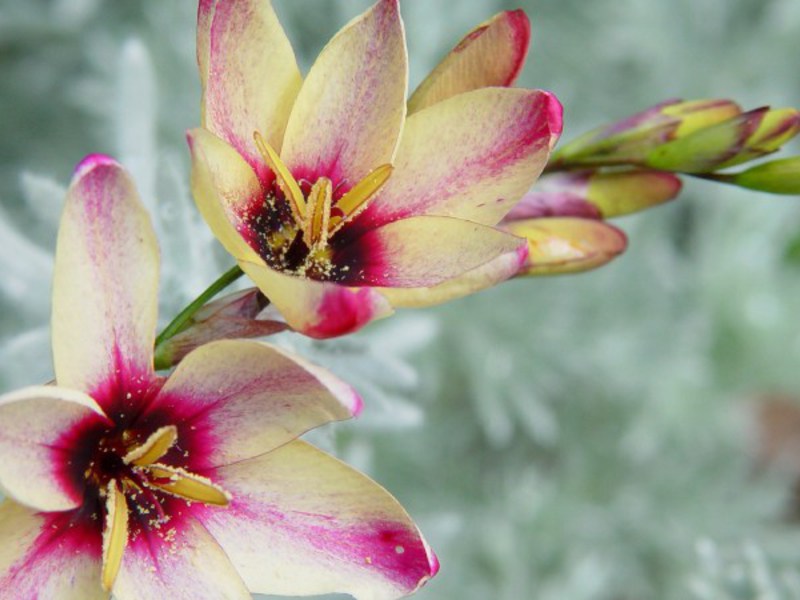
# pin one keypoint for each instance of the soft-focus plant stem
(183, 319)
(720, 177)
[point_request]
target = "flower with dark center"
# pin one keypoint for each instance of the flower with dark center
(338, 200)
(120, 481)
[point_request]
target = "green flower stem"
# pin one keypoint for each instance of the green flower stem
(183, 320)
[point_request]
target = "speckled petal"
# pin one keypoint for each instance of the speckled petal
(35, 443)
(350, 110)
(315, 308)
(472, 156)
(225, 188)
(246, 398)
(303, 523)
(248, 71)
(496, 271)
(177, 562)
(43, 556)
(423, 252)
(490, 55)
(105, 282)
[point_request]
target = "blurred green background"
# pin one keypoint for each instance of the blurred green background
(584, 437)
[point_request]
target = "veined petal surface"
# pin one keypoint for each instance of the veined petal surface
(224, 187)
(177, 563)
(423, 252)
(303, 523)
(349, 113)
(36, 447)
(247, 398)
(492, 54)
(249, 74)
(472, 157)
(43, 556)
(495, 271)
(105, 283)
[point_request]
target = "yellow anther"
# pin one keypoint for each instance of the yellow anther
(115, 534)
(186, 485)
(156, 446)
(285, 179)
(315, 229)
(357, 199)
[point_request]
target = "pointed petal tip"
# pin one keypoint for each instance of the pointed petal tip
(555, 113)
(345, 310)
(93, 161)
(357, 405)
(520, 33)
(433, 560)
(521, 28)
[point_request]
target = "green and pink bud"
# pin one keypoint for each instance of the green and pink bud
(743, 138)
(630, 140)
(596, 195)
(241, 315)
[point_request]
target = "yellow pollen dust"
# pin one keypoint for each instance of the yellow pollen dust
(145, 471)
(313, 214)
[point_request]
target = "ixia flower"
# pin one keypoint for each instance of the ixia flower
(335, 202)
(120, 481)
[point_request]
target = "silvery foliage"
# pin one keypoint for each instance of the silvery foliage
(581, 437)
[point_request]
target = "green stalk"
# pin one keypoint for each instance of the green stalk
(183, 320)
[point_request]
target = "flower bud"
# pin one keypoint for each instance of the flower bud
(776, 177)
(632, 139)
(567, 245)
(244, 314)
(595, 194)
(743, 138)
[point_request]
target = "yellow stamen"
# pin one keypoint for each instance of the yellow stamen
(355, 201)
(315, 229)
(115, 534)
(156, 446)
(186, 485)
(286, 181)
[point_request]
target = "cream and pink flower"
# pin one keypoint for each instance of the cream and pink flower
(121, 481)
(337, 199)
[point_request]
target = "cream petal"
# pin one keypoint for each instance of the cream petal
(226, 191)
(105, 283)
(247, 398)
(472, 156)
(495, 271)
(350, 110)
(423, 252)
(43, 556)
(315, 308)
(303, 523)
(177, 561)
(37, 441)
(249, 74)
(490, 55)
